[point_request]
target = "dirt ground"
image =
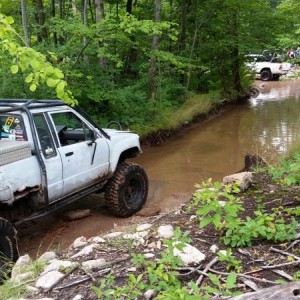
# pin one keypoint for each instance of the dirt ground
(261, 264)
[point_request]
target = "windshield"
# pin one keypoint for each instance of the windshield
(12, 128)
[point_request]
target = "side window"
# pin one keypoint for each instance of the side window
(12, 128)
(70, 129)
(45, 138)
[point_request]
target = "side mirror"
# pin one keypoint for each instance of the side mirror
(93, 135)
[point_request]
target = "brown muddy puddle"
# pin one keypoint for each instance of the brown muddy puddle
(268, 125)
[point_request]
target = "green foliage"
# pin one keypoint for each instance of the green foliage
(224, 216)
(32, 64)
(232, 262)
(158, 275)
(288, 171)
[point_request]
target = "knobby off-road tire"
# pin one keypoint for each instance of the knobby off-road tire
(8, 247)
(127, 191)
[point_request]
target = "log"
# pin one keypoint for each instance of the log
(287, 291)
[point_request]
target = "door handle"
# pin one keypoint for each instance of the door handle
(69, 153)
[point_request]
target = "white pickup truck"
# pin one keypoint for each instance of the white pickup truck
(51, 155)
(267, 68)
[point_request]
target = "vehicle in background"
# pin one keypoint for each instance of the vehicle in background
(267, 66)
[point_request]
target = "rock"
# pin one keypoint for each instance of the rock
(80, 242)
(253, 161)
(23, 277)
(94, 264)
(131, 269)
(150, 294)
(193, 217)
(165, 231)
(149, 255)
(85, 251)
(47, 256)
(78, 297)
(135, 236)
(97, 240)
(243, 180)
(76, 214)
(20, 265)
(48, 279)
(214, 248)
(113, 235)
(143, 227)
(189, 254)
(57, 264)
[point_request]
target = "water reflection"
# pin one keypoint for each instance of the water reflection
(268, 125)
(277, 114)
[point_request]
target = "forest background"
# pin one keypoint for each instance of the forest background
(139, 61)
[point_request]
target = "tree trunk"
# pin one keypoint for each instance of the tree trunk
(24, 22)
(52, 12)
(84, 22)
(129, 6)
(74, 8)
(99, 9)
(236, 79)
(154, 46)
(40, 19)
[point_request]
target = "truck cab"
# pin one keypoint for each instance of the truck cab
(52, 154)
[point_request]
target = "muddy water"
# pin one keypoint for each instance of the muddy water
(267, 125)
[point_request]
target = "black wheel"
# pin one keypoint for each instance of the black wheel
(266, 75)
(8, 247)
(127, 191)
(276, 77)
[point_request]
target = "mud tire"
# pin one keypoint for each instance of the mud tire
(8, 247)
(127, 191)
(266, 75)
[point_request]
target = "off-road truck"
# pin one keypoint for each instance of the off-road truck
(52, 154)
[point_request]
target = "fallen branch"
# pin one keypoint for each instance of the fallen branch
(292, 244)
(208, 266)
(288, 291)
(243, 275)
(296, 262)
(284, 253)
(82, 279)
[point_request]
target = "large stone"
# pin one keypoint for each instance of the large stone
(47, 280)
(165, 231)
(243, 180)
(85, 251)
(57, 264)
(47, 256)
(20, 265)
(189, 254)
(80, 242)
(113, 235)
(94, 264)
(143, 227)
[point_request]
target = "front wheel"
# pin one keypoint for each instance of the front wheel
(8, 247)
(127, 191)
(266, 75)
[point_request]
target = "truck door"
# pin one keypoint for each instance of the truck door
(84, 162)
(51, 158)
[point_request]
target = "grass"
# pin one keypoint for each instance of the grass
(194, 106)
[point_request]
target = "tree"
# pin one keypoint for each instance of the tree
(31, 63)
(154, 47)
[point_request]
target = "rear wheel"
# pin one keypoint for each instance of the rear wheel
(126, 192)
(266, 75)
(8, 247)
(276, 76)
